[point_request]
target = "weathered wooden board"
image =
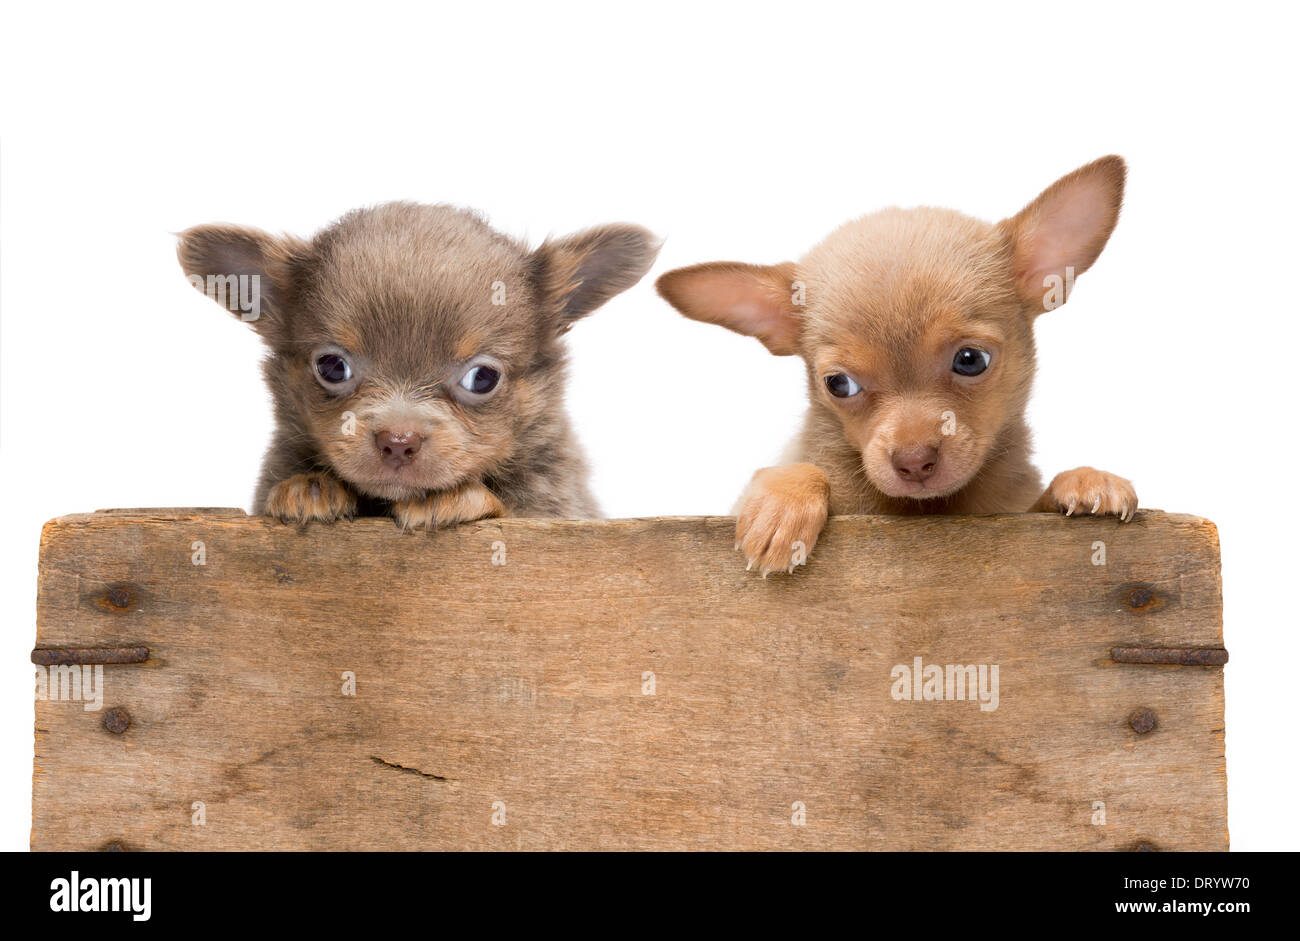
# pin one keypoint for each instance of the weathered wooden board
(771, 724)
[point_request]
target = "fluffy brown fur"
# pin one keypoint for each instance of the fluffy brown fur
(413, 298)
(885, 305)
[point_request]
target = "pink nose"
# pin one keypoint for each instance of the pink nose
(398, 448)
(915, 463)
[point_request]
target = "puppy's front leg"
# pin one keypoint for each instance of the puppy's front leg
(303, 497)
(440, 508)
(1088, 490)
(780, 516)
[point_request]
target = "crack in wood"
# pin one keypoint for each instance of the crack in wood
(408, 770)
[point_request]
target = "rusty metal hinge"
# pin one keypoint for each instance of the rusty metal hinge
(78, 656)
(1174, 656)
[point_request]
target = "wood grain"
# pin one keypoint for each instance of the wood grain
(524, 683)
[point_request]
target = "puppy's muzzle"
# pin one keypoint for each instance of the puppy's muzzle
(917, 463)
(397, 448)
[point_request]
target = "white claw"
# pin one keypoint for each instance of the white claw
(1096, 505)
(1070, 511)
(750, 566)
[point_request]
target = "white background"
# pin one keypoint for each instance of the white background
(740, 132)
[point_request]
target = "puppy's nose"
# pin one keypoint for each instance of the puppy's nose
(398, 447)
(916, 463)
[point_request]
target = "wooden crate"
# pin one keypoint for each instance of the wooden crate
(526, 684)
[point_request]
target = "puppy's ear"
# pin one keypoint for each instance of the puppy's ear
(579, 273)
(755, 300)
(1064, 228)
(246, 271)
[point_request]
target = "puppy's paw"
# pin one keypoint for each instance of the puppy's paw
(1086, 490)
(305, 497)
(780, 516)
(441, 508)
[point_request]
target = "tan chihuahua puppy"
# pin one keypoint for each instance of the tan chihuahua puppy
(916, 327)
(416, 360)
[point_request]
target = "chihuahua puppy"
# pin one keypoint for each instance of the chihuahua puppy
(416, 360)
(916, 328)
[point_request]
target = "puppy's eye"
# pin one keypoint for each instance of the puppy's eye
(842, 386)
(970, 361)
(333, 368)
(481, 379)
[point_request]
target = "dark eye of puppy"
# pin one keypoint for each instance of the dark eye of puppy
(970, 361)
(842, 386)
(333, 369)
(480, 380)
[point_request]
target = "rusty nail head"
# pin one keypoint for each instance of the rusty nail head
(1142, 721)
(117, 720)
(119, 597)
(1139, 597)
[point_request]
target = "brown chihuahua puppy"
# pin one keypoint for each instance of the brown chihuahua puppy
(416, 360)
(916, 327)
